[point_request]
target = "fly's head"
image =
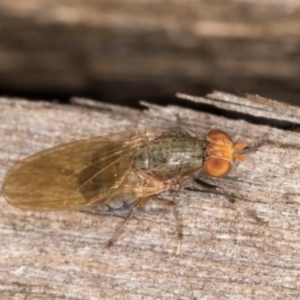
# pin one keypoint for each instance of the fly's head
(221, 152)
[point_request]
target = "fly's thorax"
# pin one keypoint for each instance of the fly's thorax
(167, 157)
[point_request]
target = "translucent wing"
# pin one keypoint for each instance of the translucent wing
(74, 175)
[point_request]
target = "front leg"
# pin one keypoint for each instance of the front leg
(213, 189)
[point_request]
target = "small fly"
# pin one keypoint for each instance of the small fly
(119, 171)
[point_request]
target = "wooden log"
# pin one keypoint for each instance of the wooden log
(246, 250)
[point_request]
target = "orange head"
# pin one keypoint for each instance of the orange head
(221, 153)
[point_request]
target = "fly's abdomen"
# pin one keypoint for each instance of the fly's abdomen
(170, 156)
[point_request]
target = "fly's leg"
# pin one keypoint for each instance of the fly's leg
(140, 203)
(177, 220)
(215, 189)
(230, 198)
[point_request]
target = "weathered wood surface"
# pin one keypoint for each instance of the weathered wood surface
(119, 50)
(226, 252)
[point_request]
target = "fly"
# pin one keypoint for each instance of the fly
(118, 170)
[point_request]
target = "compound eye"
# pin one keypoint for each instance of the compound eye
(219, 135)
(217, 167)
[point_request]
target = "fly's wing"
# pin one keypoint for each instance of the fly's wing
(73, 175)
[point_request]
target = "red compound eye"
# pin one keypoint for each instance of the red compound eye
(217, 167)
(219, 135)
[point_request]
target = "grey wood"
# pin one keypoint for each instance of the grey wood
(246, 250)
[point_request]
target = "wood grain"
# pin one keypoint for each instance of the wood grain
(226, 253)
